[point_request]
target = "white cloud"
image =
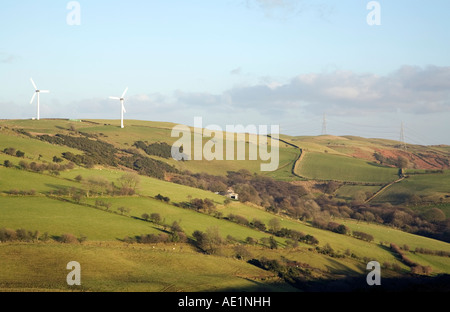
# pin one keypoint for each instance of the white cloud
(411, 89)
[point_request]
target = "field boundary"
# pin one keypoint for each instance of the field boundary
(384, 188)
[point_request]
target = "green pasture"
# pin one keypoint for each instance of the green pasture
(433, 185)
(56, 218)
(128, 268)
(323, 166)
(189, 220)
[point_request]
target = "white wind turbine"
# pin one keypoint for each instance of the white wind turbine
(37, 91)
(121, 99)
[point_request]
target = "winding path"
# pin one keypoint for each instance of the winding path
(384, 188)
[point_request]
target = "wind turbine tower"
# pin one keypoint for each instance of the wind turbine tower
(122, 107)
(37, 91)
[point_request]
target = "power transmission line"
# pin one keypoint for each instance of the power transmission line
(324, 125)
(402, 138)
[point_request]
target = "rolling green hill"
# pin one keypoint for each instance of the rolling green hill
(106, 209)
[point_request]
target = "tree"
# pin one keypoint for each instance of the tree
(210, 241)
(10, 151)
(162, 198)
(273, 243)
(331, 187)
(402, 162)
(155, 217)
(176, 227)
(145, 216)
(360, 197)
(258, 224)
(24, 165)
(57, 159)
(123, 210)
(77, 197)
(274, 225)
(97, 185)
(8, 164)
(242, 253)
(20, 154)
(130, 180)
(68, 238)
(434, 214)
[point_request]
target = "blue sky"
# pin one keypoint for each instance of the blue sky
(284, 62)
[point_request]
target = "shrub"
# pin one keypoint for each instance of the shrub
(258, 225)
(242, 253)
(251, 241)
(68, 239)
(176, 227)
(8, 164)
(434, 215)
(24, 235)
(238, 219)
(363, 236)
(209, 241)
(10, 151)
(162, 198)
(24, 165)
(7, 235)
(82, 239)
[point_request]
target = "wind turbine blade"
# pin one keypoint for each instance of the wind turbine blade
(123, 108)
(124, 92)
(34, 85)
(114, 98)
(44, 91)
(32, 98)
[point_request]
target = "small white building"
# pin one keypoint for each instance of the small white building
(232, 195)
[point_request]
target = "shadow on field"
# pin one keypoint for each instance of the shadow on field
(440, 283)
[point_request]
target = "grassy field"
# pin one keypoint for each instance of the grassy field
(57, 218)
(147, 186)
(24, 181)
(35, 150)
(116, 267)
(426, 185)
(348, 192)
(323, 166)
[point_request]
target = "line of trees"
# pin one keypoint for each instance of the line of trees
(11, 151)
(426, 251)
(52, 168)
(415, 267)
(24, 235)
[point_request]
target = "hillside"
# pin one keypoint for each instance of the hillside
(114, 198)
